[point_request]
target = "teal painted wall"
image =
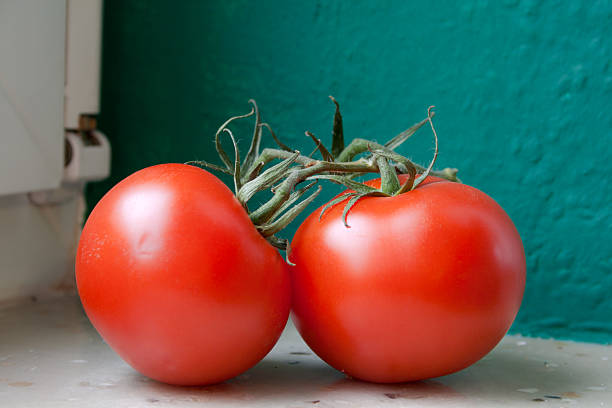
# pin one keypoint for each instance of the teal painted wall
(523, 90)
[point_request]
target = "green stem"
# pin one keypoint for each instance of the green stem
(338, 166)
(268, 154)
(427, 171)
(389, 183)
(337, 131)
(358, 146)
(354, 148)
(283, 191)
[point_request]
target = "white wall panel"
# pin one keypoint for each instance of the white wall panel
(32, 41)
(82, 59)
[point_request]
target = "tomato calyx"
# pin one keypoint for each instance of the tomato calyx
(390, 184)
(340, 165)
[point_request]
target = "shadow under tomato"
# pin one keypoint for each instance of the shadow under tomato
(299, 376)
(271, 377)
(426, 389)
(307, 380)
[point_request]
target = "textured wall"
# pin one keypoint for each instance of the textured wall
(523, 90)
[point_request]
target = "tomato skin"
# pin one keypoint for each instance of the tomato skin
(421, 285)
(173, 275)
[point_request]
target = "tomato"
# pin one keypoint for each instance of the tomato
(421, 285)
(176, 279)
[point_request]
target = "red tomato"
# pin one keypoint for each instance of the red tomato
(421, 285)
(177, 280)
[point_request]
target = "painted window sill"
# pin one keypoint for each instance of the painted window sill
(51, 356)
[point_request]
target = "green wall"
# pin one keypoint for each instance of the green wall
(523, 90)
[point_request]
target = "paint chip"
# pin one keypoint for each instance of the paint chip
(20, 384)
(528, 390)
(105, 384)
(521, 343)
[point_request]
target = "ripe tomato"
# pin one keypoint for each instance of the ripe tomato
(176, 279)
(421, 285)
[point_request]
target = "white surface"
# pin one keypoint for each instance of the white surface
(38, 242)
(32, 37)
(50, 356)
(83, 34)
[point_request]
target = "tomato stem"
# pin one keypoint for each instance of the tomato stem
(300, 174)
(423, 176)
(222, 155)
(389, 182)
(337, 130)
(339, 166)
(256, 139)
